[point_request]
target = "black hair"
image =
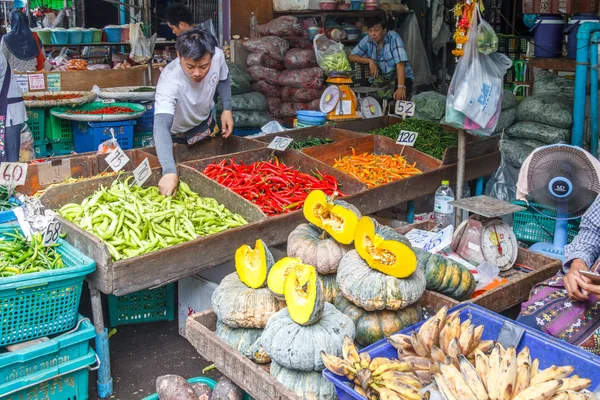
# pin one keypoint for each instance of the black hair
(371, 22)
(177, 13)
(195, 44)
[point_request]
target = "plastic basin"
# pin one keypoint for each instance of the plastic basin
(125, 33)
(113, 34)
(96, 35)
(307, 117)
(87, 36)
(45, 36)
(60, 37)
(75, 36)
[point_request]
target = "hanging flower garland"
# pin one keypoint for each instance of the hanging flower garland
(463, 12)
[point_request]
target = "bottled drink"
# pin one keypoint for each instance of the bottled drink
(253, 26)
(442, 210)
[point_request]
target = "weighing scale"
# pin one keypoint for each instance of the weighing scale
(369, 106)
(484, 236)
(339, 101)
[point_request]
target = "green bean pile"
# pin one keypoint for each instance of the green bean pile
(432, 140)
(133, 221)
(20, 256)
(310, 142)
(5, 203)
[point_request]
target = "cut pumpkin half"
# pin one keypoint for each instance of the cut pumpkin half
(253, 265)
(336, 217)
(384, 249)
(279, 272)
(304, 295)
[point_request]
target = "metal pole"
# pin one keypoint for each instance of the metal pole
(105, 382)
(460, 169)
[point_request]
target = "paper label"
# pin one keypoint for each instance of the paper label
(280, 143)
(54, 171)
(405, 108)
(13, 173)
(474, 246)
(142, 172)
(407, 138)
(442, 204)
(52, 233)
(36, 82)
(117, 159)
(23, 83)
(346, 107)
(440, 241)
(53, 82)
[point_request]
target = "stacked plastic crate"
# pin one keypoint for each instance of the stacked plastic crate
(515, 47)
(59, 133)
(36, 120)
(142, 132)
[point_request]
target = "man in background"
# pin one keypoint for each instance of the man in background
(179, 18)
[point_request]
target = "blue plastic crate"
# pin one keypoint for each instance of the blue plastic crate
(67, 381)
(246, 132)
(42, 303)
(60, 349)
(146, 121)
(549, 350)
(89, 135)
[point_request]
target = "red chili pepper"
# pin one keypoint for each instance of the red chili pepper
(103, 110)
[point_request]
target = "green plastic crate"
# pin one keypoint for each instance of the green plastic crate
(41, 150)
(61, 148)
(143, 306)
(67, 381)
(36, 120)
(58, 129)
(532, 227)
(42, 303)
(58, 350)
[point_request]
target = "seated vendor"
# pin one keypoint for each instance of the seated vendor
(185, 98)
(566, 306)
(386, 56)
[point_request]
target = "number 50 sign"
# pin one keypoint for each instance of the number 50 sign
(13, 173)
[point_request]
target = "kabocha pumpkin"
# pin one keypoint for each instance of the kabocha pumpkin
(279, 272)
(372, 326)
(303, 292)
(448, 277)
(384, 249)
(337, 217)
(244, 340)
(239, 306)
(306, 385)
(374, 290)
(298, 347)
(314, 247)
(253, 265)
(330, 288)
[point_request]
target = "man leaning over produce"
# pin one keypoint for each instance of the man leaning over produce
(185, 98)
(386, 56)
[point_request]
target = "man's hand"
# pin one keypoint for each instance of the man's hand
(575, 282)
(168, 184)
(227, 123)
(400, 94)
(373, 69)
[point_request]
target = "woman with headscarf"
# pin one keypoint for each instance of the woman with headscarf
(21, 47)
(12, 114)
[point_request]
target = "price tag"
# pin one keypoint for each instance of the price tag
(440, 241)
(142, 172)
(13, 173)
(36, 82)
(108, 101)
(54, 171)
(407, 138)
(52, 233)
(405, 108)
(116, 159)
(419, 238)
(280, 143)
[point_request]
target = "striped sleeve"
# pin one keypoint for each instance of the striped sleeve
(398, 50)
(586, 244)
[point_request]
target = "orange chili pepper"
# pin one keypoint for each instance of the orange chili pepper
(375, 170)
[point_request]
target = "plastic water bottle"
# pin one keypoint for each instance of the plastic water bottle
(442, 210)
(253, 26)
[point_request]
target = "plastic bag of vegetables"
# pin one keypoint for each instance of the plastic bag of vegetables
(487, 40)
(331, 55)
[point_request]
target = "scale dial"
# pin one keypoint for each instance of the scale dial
(499, 244)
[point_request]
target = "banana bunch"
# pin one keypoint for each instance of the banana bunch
(378, 378)
(506, 375)
(441, 339)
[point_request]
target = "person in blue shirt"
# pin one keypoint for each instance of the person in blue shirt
(386, 56)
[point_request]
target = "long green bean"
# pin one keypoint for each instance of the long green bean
(21, 256)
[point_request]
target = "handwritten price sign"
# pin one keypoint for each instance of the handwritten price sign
(13, 173)
(407, 138)
(142, 172)
(405, 108)
(117, 159)
(280, 143)
(52, 233)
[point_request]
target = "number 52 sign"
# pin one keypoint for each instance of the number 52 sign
(13, 172)
(405, 108)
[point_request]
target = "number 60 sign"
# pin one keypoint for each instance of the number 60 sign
(13, 173)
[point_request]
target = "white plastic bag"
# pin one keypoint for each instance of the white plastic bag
(142, 48)
(476, 89)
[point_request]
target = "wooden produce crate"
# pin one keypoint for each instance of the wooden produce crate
(167, 265)
(83, 165)
(325, 132)
(218, 146)
(476, 146)
(512, 293)
(253, 378)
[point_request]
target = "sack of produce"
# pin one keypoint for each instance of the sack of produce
(298, 95)
(422, 116)
(267, 89)
(264, 60)
(546, 83)
(430, 105)
(301, 78)
(506, 119)
(274, 106)
(289, 109)
(300, 59)
(282, 26)
(258, 73)
(540, 132)
(515, 151)
(299, 43)
(240, 80)
(547, 110)
(274, 46)
(253, 101)
(314, 105)
(331, 55)
(509, 100)
(250, 119)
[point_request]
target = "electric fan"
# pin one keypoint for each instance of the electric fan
(559, 181)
